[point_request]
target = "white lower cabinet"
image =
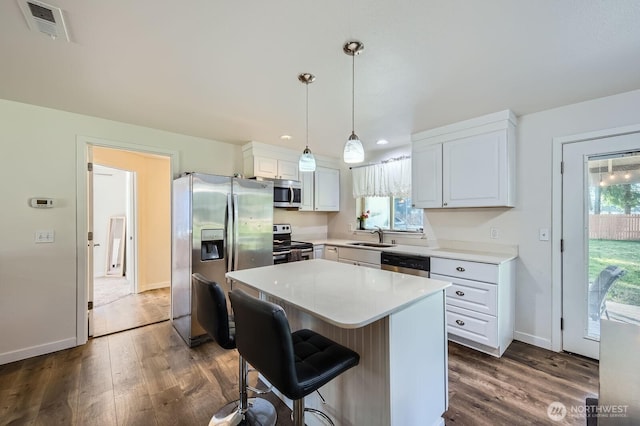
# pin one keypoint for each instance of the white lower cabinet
(360, 257)
(358, 263)
(318, 251)
(474, 326)
(480, 302)
(331, 253)
(353, 256)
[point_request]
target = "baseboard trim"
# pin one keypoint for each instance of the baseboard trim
(532, 340)
(155, 286)
(32, 351)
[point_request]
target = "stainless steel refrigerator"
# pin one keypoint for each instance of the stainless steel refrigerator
(219, 224)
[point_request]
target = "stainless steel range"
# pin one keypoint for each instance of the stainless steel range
(285, 250)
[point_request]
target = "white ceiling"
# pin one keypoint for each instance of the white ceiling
(227, 70)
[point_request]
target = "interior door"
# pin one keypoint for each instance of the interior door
(601, 238)
(89, 277)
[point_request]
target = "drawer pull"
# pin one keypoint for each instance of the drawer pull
(460, 269)
(460, 293)
(459, 322)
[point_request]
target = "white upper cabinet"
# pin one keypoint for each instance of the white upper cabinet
(274, 168)
(307, 191)
(326, 189)
(426, 176)
(288, 170)
(321, 190)
(467, 164)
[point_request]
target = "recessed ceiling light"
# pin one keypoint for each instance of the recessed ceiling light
(382, 142)
(285, 137)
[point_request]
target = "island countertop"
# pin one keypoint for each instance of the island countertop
(344, 295)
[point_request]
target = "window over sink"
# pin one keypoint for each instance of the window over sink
(392, 213)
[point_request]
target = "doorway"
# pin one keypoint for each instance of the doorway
(601, 238)
(131, 217)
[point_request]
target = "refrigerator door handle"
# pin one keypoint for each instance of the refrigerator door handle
(236, 232)
(229, 227)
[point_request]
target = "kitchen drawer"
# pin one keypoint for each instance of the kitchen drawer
(473, 295)
(359, 255)
(464, 269)
(471, 325)
(357, 263)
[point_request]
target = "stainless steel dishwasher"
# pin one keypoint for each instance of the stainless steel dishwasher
(405, 263)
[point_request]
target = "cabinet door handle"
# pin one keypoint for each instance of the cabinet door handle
(444, 204)
(459, 322)
(460, 269)
(460, 293)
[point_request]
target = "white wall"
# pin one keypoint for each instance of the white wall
(38, 158)
(533, 210)
(519, 226)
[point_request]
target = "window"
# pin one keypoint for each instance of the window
(392, 213)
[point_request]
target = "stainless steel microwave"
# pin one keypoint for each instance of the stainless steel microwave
(286, 193)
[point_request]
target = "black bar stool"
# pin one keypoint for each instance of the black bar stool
(298, 363)
(213, 316)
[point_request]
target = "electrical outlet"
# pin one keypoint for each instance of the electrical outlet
(493, 233)
(351, 227)
(543, 234)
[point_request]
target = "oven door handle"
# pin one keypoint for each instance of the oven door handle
(291, 194)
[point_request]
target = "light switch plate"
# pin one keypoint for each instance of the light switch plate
(45, 236)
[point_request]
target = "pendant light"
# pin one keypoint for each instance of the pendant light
(307, 162)
(353, 149)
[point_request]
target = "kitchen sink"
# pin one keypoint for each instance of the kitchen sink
(368, 244)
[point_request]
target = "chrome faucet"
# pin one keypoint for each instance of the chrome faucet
(380, 233)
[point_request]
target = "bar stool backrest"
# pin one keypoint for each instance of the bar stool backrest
(264, 339)
(211, 311)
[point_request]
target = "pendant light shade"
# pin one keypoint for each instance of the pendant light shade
(307, 162)
(353, 149)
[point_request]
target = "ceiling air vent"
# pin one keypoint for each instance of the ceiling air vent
(44, 18)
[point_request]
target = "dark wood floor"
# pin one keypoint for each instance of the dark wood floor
(148, 376)
(517, 388)
(130, 311)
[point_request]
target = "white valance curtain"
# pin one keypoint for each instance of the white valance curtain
(389, 179)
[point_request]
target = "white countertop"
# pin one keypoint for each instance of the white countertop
(344, 295)
(447, 253)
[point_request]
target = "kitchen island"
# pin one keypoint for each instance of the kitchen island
(396, 322)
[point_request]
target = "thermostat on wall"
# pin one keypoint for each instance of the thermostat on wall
(41, 203)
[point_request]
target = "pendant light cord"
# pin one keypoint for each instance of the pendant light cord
(353, 93)
(307, 84)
